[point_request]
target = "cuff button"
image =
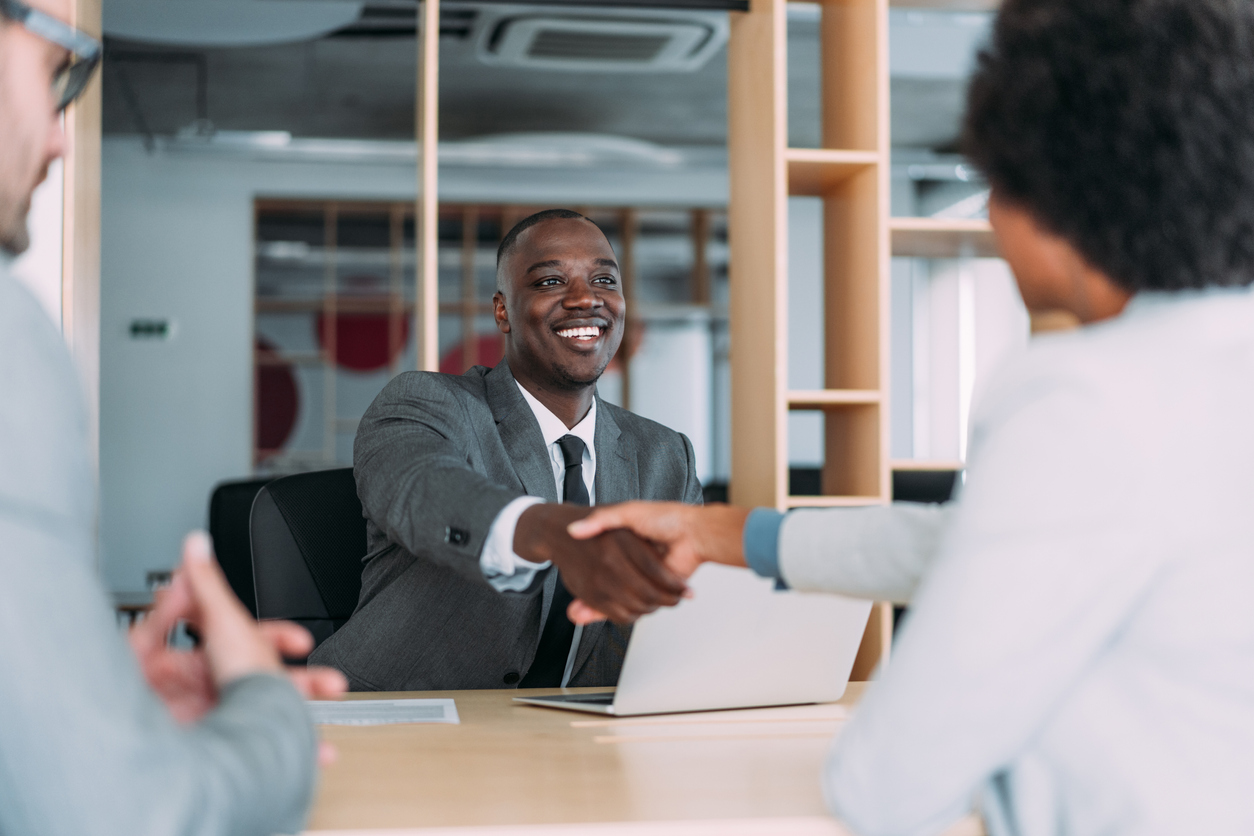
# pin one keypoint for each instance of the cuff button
(511, 678)
(456, 536)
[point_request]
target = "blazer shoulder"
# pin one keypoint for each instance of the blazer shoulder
(438, 385)
(643, 429)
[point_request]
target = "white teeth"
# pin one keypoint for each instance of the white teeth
(586, 333)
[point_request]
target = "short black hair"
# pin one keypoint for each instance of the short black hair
(1127, 128)
(511, 237)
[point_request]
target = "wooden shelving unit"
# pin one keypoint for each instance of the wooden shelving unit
(850, 174)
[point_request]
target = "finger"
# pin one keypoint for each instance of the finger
(290, 639)
(601, 520)
(207, 584)
(650, 564)
(635, 588)
(171, 604)
(619, 614)
(580, 613)
(632, 596)
(234, 646)
(327, 754)
(318, 683)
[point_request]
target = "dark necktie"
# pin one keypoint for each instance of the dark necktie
(550, 662)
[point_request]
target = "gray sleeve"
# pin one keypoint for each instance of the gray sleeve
(85, 747)
(692, 488)
(261, 728)
(878, 553)
(412, 462)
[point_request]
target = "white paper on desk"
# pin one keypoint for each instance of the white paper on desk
(381, 712)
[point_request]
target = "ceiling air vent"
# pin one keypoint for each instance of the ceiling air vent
(602, 44)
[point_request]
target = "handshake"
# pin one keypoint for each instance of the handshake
(623, 561)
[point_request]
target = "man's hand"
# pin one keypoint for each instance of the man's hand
(616, 573)
(234, 645)
(688, 535)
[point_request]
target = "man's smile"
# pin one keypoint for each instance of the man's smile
(584, 333)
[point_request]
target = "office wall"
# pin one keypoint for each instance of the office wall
(177, 245)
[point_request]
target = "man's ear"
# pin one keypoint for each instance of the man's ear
(498, 311)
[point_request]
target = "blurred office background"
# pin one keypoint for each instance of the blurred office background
(257, 228)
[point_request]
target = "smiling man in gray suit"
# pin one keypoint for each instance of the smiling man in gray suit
(470, 570)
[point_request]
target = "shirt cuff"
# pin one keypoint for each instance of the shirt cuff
(761, 541)
(501, 566)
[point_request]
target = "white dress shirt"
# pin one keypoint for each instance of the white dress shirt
(503, 568)
(1079, 654)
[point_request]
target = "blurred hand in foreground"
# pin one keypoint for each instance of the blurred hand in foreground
(687, 536)
(233, 644)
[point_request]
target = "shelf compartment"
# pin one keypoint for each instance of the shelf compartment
(852, 440)
(815, 172)
(942, 238)
(826, 398)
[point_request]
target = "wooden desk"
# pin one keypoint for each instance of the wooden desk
(509, 768)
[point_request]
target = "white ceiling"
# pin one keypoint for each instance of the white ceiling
(359, 83)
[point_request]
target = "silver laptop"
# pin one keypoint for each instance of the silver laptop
(738, 643)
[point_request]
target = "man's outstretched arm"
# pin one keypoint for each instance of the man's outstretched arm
(414, 483)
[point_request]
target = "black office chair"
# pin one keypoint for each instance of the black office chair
(230, 506)
(308, 539)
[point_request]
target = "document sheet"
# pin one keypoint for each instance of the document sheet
(381, 712)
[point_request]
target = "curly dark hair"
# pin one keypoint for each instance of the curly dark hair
(1127, 128)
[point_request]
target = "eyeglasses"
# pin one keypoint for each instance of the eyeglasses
(84, 50)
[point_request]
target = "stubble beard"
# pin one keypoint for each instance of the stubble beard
(14, 234)
(14, 205)
(567, 379)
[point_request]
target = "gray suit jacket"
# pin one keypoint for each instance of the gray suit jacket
(436, 458)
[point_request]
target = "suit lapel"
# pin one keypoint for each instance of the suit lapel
(520, 433)
(617, 480)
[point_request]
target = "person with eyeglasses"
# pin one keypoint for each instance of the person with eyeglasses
(97, 737)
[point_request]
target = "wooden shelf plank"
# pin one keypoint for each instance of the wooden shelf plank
(359, 305)
(942, 238)
(949, 5)
(926, 464)
(813, 172)
(820, 398)
(1053, 320)
(833, 501)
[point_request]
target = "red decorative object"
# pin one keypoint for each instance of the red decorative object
(491, 349)
(278, 400)
(362, 340)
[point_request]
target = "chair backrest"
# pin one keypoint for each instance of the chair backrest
(308, 539)
(230, 506)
